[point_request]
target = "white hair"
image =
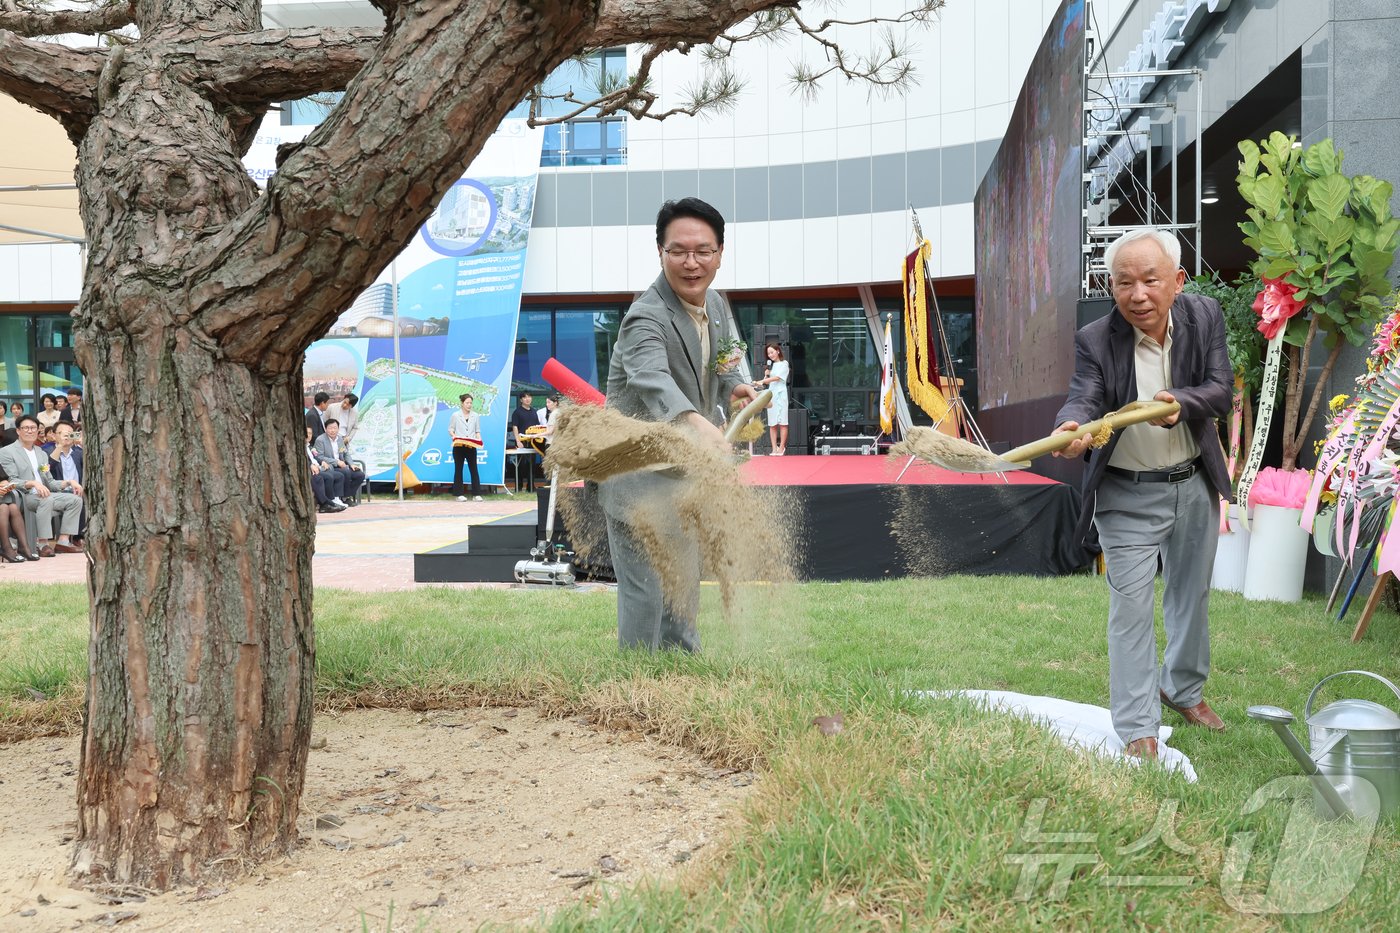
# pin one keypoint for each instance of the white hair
(1166, 240)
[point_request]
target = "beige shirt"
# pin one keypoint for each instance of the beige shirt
(1146, 446)
(702, 328)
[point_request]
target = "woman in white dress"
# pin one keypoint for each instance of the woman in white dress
(777, 380)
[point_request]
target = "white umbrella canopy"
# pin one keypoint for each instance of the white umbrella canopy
(35, 152)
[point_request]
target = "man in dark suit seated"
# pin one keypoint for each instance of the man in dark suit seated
(332, 451)
(1152, 490)
(66, 463)
(327, 485)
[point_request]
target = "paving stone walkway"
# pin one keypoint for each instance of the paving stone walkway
(369, 548)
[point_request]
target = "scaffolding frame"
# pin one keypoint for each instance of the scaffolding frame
(1099, 173)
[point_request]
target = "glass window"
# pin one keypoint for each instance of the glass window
(16, 377)
(310, 111)
(552, 153)
(855, 359)
(53, 331)
(534, 344)
(583, 341)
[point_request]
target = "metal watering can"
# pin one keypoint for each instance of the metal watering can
(1354, 742)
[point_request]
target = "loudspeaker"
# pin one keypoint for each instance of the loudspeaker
(763, 334)
(1089, 310)
(797, 431)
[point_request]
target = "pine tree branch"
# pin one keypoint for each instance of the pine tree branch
(30, 23)
(252, 70)
(52, 78)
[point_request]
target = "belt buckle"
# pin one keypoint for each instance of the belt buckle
(1181, 475)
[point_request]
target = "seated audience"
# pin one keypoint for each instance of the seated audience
(326, 484)
(73, 413)
(333, 454)
(43, 495)
(12, 523)
(48, 414)
(66, 463)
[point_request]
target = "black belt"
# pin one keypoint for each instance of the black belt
(1178, 475)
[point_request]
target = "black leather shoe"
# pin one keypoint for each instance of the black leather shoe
(12, 558)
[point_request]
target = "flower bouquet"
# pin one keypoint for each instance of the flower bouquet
(729, 354)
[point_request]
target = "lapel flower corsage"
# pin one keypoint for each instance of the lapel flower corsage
(729, 352)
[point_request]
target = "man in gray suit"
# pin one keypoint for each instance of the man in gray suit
(663, 369)
(41, 494)
(333, 453)
(1152, 490)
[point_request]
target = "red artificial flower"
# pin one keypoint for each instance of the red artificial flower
(1275, 305)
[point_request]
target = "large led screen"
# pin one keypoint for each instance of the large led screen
(1027, 228)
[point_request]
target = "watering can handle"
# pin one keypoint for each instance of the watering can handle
(1307, 711)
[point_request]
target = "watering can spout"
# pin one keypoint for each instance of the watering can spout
(1279, 719)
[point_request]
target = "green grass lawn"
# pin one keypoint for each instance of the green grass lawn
(916, 815)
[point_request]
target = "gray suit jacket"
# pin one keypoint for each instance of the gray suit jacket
(17, 467)
(322, 446)
(1105, 379)
(656, 373)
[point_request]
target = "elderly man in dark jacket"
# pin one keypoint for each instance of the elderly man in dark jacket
(1152, 491)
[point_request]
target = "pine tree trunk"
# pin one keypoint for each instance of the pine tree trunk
(202, 650)
(201, 520)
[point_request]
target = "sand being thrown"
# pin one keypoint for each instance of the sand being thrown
(950, 453)
(743, 533)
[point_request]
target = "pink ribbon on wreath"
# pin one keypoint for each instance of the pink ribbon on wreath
(1334, 449)
(1236, 424)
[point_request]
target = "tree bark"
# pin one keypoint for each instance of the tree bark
(200, 297)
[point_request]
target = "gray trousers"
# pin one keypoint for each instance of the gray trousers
(1138, 523)
(644, 618)
(68, 507)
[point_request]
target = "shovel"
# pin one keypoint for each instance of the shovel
(636, 445)
(958, 455)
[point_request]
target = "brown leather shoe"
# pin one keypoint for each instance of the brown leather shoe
(1198, 715)
(47, 551)
(1144, 748)
(67, 549)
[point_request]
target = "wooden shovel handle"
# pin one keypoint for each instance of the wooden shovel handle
(1132, 413)
(736, 424)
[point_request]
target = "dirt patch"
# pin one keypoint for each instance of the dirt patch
(458, 817)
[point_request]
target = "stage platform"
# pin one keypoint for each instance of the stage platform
(854, 522)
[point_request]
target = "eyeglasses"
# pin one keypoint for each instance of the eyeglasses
(701, 256)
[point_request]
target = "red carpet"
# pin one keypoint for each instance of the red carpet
(855, 470)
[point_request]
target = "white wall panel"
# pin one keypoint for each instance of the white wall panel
(887, 138)
(575, 259)
(819, 255)
(36, 273)
(957, 62)
(959, 127)
(891, 238)
(67, 272)
(991, 122)
(610, 259)
(680, 154)
(956, 252)
(541, 257)
(853, 142)
(643, 261)
(786, 263)
(747, 251)
(923, 133)
(9, 273)
(853, 259)
(992, 35)
(819, 145)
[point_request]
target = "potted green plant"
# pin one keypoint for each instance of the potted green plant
(1325, 242)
